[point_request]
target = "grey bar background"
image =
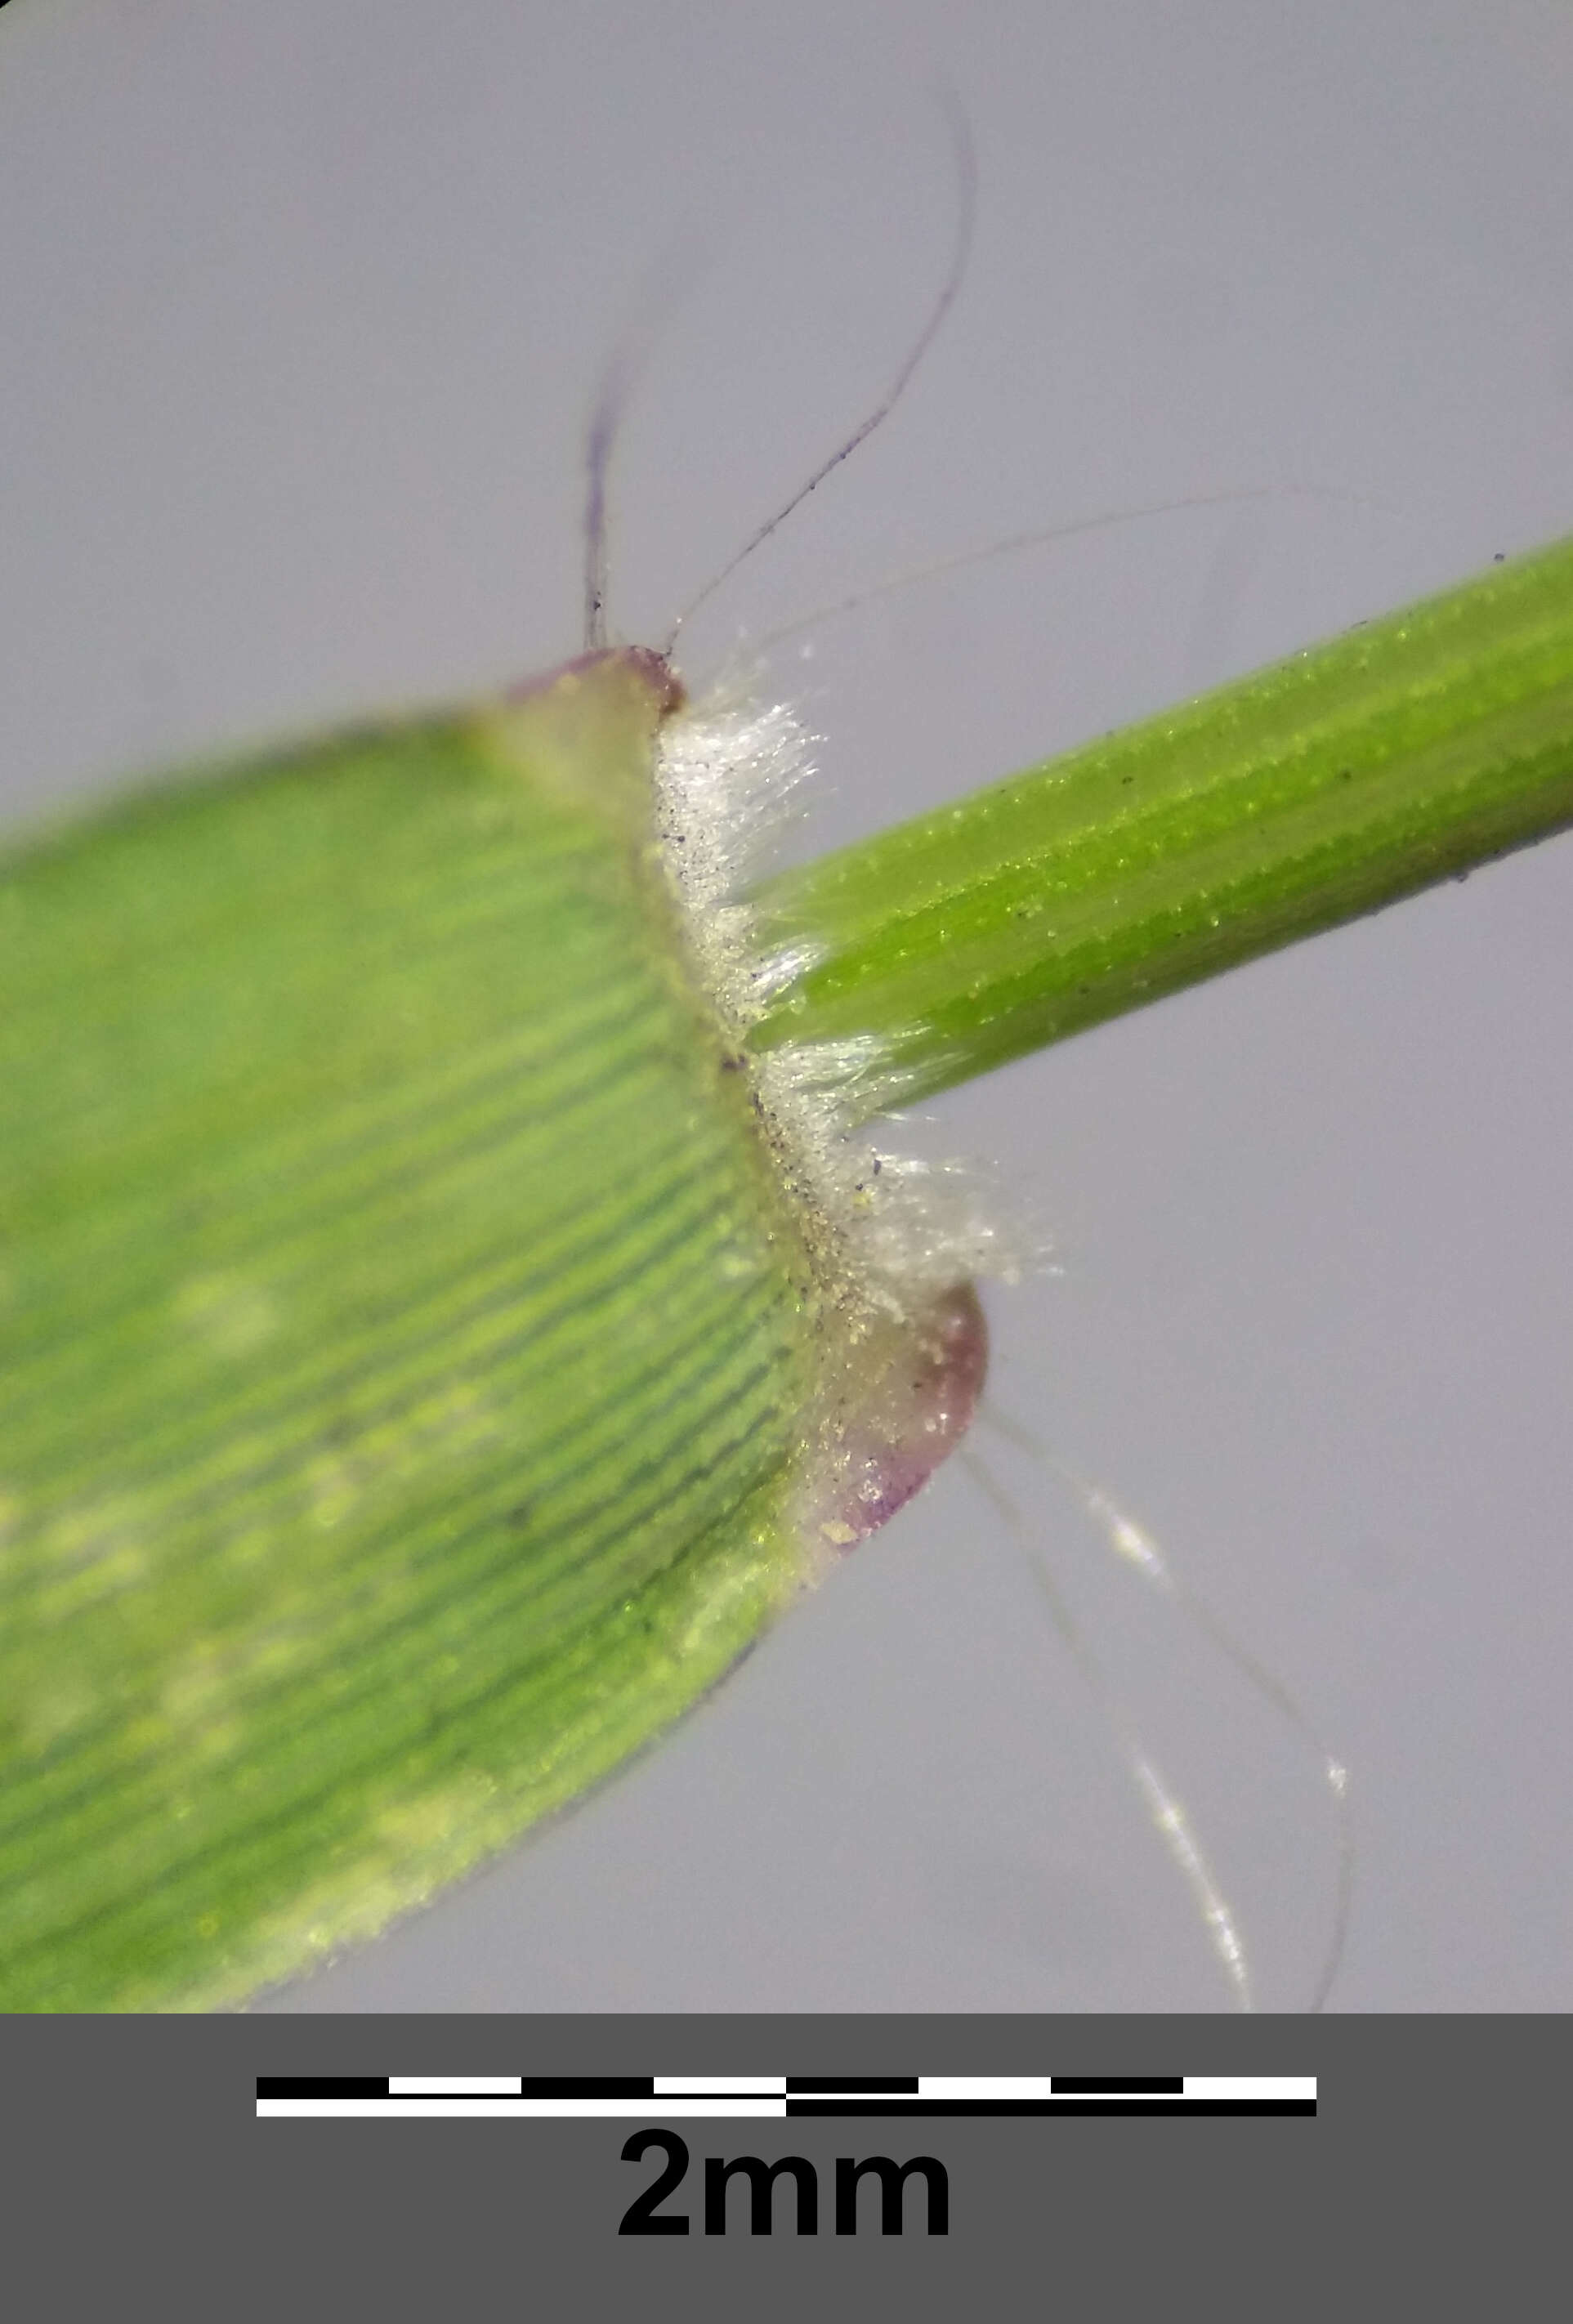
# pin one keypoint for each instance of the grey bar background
(1409, 2170)
(302, 310)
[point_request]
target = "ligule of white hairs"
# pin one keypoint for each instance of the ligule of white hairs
(1135, 1546)
(729, 774)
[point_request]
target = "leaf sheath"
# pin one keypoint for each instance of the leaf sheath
(1407, 751)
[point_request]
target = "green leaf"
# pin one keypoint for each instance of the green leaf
(429, 1354)
(414, 1385)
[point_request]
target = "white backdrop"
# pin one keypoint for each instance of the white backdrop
(300, 311)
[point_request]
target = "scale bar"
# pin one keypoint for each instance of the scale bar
(772, 2097)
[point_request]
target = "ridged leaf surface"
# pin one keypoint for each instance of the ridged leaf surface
(401, 1358)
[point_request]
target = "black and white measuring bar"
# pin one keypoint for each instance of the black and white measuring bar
(668, 2098)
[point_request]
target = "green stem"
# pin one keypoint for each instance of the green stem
(1356, 772)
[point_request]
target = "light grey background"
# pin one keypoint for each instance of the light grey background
(300, 311)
